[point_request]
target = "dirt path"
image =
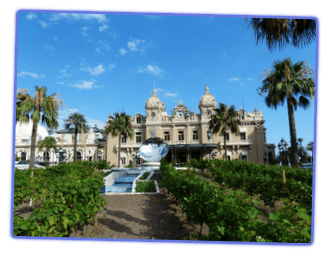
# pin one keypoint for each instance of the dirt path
(143, 216)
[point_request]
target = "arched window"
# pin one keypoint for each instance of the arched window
(78, 156)
(23, 157)
(138, 120)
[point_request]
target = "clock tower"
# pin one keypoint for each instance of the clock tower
(155, 108)
(207, 104)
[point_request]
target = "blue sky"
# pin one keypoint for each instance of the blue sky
(104, 63)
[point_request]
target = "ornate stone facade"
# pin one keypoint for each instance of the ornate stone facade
(91, 145)
(188, 135)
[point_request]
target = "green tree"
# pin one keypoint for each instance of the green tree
(290, 83)
(225, 119)
(48, 143)
(120, 125)
(310, 147)
(76, 122)
(40, 108)
(282, 32)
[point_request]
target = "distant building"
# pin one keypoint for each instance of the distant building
(187, 134)
(90, 146)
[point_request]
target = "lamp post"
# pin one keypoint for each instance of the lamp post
(136, 156)
(283, 147)
(61, 154)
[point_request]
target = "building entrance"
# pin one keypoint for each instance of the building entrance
(181, 156)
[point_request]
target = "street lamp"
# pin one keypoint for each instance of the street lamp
(283, 147)
(136, 156)
(61, 154)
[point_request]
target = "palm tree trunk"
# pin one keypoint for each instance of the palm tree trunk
(293, 133)
(33, 144)
(225, 143)
(75, 145)
(119, 148)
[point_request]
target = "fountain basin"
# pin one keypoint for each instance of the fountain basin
(122, 181)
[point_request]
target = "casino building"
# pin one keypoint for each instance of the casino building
(187, 134)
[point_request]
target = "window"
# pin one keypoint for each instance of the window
(181, 135)
(227, 136)
(228, 158)
(138, 120)
(123, 161)
(123, 139)
(243, 137)
(209, 134)
(195, 134)
(244, 158)
(167, 135)
(138, 137)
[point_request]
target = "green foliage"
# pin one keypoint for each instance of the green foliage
(102, 164)
(68, 196)
(274, 162)
(16, 158)
(129, 166)
(144, 176)
(231, 215)
(147, 186)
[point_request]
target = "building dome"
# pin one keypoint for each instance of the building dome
(207, 98)
(154, 99)
(24, 131)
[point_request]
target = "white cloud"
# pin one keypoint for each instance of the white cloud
(111, 66)
(234, 79)
(171, 94)
(55, 38)
(48, 47)
(133, 45)
(93, 71)
(60, 82)
(122, 52)
(43, 24)
(92, 122)
(101, 18)
(250, 79)
(85, 84)
(42, 76)
(84, 31)
(104, 27)
(31, 16)
(113, 35)
(155, 70)
(24, 73)
(64, 74)
(101, 45)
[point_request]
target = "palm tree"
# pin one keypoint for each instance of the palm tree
(281, 32)
(310, 147)
(293, 83)
(48, 143)
(120, 125)
(40, 108)
(224, 120)
(76, 122)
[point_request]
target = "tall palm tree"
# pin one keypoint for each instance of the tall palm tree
(48, 143)
(282, 32)
(225, 119)
(76, 122)
(40, 108)
(293, 83)
(310, 147)
(120, 125)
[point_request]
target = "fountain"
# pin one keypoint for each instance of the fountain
(121, 180)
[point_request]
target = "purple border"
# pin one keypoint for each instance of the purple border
(166, 14)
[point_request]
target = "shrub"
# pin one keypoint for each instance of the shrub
(147, 186)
